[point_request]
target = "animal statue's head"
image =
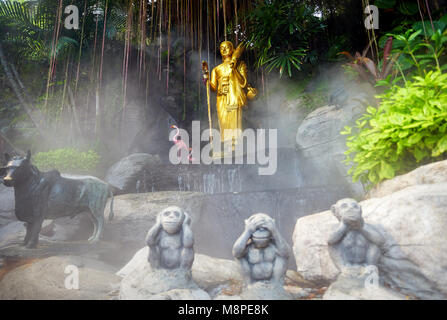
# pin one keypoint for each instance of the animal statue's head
(173, 218)
(17, 170)
(262, 236)
(349, 211)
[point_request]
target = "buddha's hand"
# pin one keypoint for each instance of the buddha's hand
(233, 63)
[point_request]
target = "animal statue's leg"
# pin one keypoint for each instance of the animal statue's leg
(97, 208)
(35, 228)
(187, 258)
(95, 222)
(373, 255)
(154, 256)
(279, 268)
(100, 218)
(28, 233)
(246, 270)
(97, 217)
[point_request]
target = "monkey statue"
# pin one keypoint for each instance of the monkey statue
(263, 255)
(353, 243)
(167, 275)
(355, 248)
(171, 240)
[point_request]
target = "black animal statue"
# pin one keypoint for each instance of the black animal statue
(48, 195)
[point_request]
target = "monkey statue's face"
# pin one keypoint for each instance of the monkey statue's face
(172, 219)
(262, 225)
(348, 211)
(261, 237)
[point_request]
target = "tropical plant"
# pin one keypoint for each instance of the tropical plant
(422, 54)
(367, 68)
(408, 129)
(416, 50)
(28, 27)
(281, 32)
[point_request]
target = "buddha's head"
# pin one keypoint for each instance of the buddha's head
(226, 49)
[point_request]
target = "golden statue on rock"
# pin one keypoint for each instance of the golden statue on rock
(229, 80)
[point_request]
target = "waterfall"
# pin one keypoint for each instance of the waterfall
(209, 181)
(180, 182)
(234, 180)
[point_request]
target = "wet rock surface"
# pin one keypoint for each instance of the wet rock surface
(429, 174)
(46, 279)
(356, 286)
(135, 214)
(318, 137)
(125, 173)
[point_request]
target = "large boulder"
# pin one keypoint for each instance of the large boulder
(319, 138)
(125, 174)
(413, 222)
(135, 214)
(431, 173)
(160, 284)
(354, 285)
(209, 273)
(46, 280)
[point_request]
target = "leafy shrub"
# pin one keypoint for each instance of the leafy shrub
(67, 160)
(409, 128)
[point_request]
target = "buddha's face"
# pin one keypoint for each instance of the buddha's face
(226, 49)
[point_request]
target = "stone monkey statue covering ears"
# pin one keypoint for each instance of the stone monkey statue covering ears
(171, 240)
(168, 275)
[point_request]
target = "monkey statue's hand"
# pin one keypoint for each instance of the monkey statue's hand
(158, 221)
(269, 225)
(355, 224)
(252, 225)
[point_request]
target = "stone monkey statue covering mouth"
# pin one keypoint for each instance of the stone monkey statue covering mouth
(355, 248)
(353, 243)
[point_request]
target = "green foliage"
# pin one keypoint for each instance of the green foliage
(67, 160)
(280, 32)
(26, 26)
(417, 50)
(408, 129)
(408, 8)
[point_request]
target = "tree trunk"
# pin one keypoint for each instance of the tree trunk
(75, 114)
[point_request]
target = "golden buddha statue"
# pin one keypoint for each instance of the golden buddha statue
(229, 79)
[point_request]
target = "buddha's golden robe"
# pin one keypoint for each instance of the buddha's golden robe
(231, 97)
